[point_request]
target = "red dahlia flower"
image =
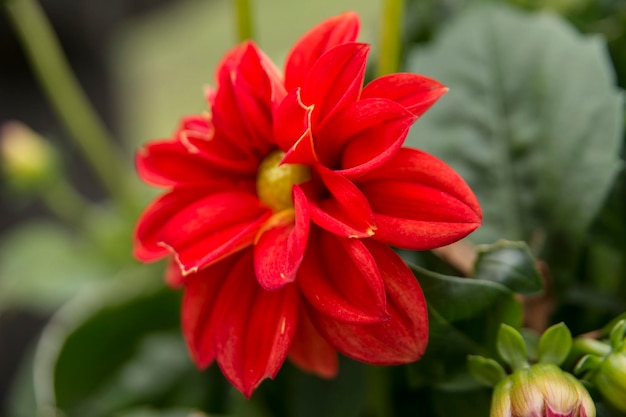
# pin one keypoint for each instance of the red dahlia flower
(283, 201)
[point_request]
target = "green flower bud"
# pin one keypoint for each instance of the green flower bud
(27, 160)
(543, 390)
(610, 379)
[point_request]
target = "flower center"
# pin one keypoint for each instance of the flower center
(274, 182)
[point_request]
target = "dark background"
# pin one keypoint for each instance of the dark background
(84, 29)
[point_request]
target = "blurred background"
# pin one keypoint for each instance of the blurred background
(144, 65)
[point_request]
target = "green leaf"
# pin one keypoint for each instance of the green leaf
(617, 336)
(458, 298)
(42, 266)
(555, 344)
(511, 347)
(485, 370)
(89, 342)
(532, 121)
(510, 264)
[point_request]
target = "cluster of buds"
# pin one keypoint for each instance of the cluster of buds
(604, 365)
(538, 390)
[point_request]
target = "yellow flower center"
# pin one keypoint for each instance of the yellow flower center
(274, 182)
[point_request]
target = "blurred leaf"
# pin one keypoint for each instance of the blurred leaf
(459, 298)
(42, 265)
(92, 338)
(555, 344)
(467, 324)
(512, 347)
(485, 370)
(160, 363)
(534, 126)
(510, 264)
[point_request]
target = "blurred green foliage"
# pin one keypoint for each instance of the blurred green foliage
(533, 122)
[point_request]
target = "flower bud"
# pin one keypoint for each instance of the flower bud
(541, 390)
(27, 160)
(610, 379)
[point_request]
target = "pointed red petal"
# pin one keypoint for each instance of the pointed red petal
(292, 130)
(402, 338)
(213, 228)
(279, 251)
(363, 136)
(157, 214)
(331, 32)
(202, 291)
(168, 163)
(343, 209)
(340, 279)
(254, 328)
(420, 203)
(335, 81)
(415, 92)
(197, 134)
(311, 352)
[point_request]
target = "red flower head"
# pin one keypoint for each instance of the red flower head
(283, 201)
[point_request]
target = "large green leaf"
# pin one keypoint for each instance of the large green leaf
(99, 338)
(510, 264)
(532, 121)
(464, 317)
(459, 298)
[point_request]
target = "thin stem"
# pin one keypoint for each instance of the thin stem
(66, 96)
(390, 37)
(583, 346)
(245, 28)
(378, 390)
(65, 202)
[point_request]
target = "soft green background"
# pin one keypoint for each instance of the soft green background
(162, 62)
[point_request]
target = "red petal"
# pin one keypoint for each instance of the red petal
(212, 228)
(173, 275)
(311, 352)
(197, 134)
(415, 92)
(292, 130)
(153, 219)
(280, 248)
(236, 122)
(339, 277)
(420, 203)
(341, 208)
(363, 136)
(202, 291)
(402, 338)
(254, 328)
(331, 32)
(335, 81)
(168, 163)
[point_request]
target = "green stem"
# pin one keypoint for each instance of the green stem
(391, 37)
(378, 390)
(245, 29)
(65, 202)
(66, 96)
(585, 345)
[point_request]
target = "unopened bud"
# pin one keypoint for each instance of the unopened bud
(540, 391)
(27, 160)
